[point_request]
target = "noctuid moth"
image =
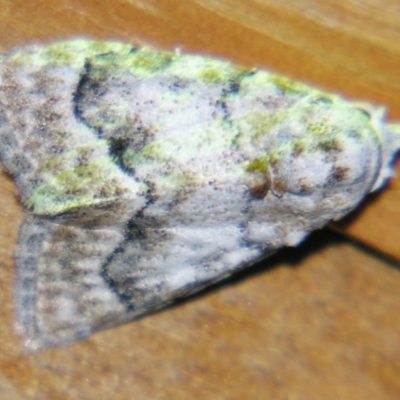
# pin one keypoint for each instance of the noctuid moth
(148, 175)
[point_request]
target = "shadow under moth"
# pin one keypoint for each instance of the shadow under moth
(148, 175)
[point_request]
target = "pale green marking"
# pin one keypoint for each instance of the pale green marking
(184, 179)
(255, 125)
(329, 130)
(53, 164)
(258, 165)
(176, 180)
(59, 53)
(83, 186)
(70, 53)
(207, 70)
(220, 72)
(330, 144)
(299, 146)
(153, 155)
(140, 61)
(152, 152)
(264, 162)
(287, 84)
(263, 121)
(148, 60)
(319, 128)
(212, 75)
(65, 53)
(84, 151)
(97, 47)
(23, 58)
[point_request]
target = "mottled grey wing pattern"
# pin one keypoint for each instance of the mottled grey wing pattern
(72, 281)
(147, 175)
(59, 293)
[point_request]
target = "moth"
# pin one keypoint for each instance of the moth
(148, 175)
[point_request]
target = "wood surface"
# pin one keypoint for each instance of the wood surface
(318, 321)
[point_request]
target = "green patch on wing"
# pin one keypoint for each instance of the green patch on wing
(92, 183)
(140, 61)
(288, 85)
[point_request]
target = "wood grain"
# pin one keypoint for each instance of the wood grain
(316, 322)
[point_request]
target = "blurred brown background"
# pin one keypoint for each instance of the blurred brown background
(319, 321)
